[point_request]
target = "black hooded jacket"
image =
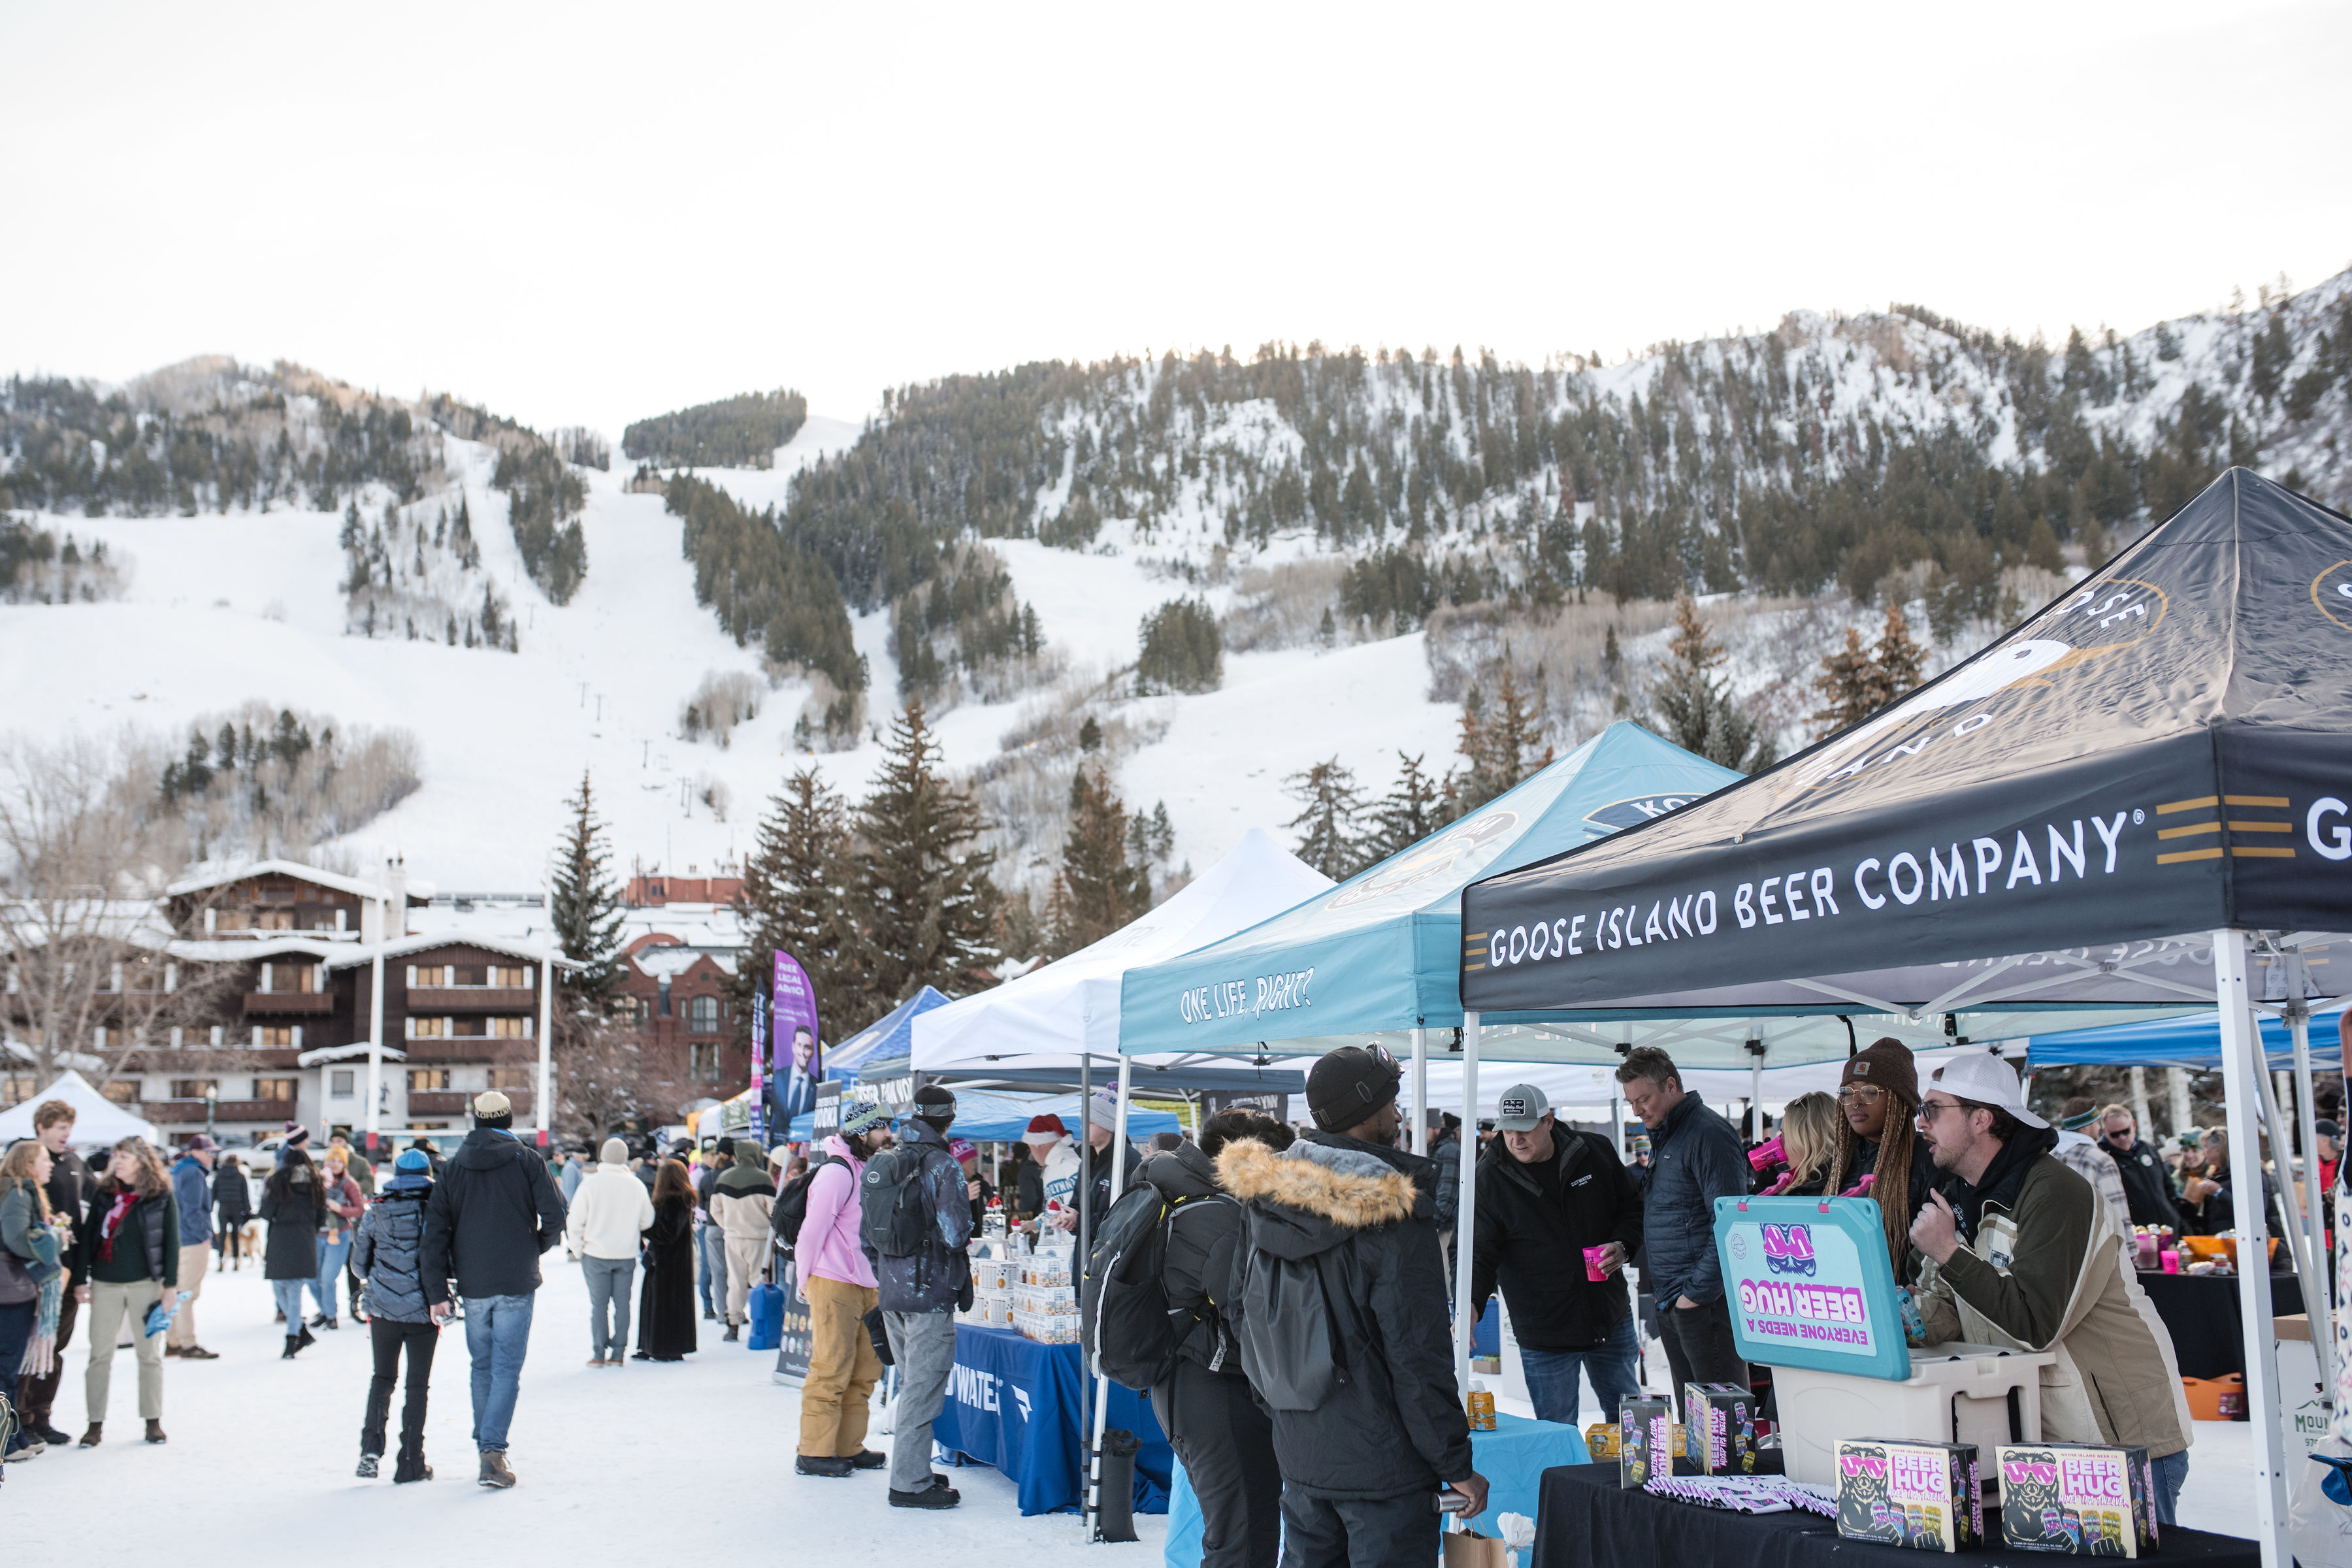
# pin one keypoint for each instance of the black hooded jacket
(492, 1212)
(1199, 1268)
(1363, 1214)
(1531, 1240)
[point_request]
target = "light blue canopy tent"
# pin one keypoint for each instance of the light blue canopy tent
(987, 1118)
(1382, 951)
(886, 1038)
(2193, 1042)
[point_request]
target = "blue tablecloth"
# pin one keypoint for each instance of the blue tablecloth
(1513, 1457)
(1014, 1402)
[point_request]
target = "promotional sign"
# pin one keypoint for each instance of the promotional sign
(1810, 1285)
(793, 1027)
(799, 1336)
(759, 1062)
(824, 1115)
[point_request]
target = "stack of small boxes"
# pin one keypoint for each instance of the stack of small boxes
(1045, 1304)
(992, 1291)
(1722, 1421)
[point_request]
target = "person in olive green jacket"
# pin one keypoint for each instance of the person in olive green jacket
(2028, 1256)
(131, 1250)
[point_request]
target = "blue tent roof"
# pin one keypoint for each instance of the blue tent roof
(986, 1117)
(890, 1036)
(1383, 950)
(2193, 1042)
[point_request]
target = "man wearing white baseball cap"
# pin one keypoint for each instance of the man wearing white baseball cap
(2030, 1256)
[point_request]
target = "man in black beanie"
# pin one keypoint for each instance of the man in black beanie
(1369, 1430)
(916, 1219)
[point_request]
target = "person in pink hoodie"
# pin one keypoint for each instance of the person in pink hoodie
(837, 1282)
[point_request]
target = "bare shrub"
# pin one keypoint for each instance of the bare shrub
(1284, 606)
(1024, 791)
(831, 720)
(719, 703)
(714, 794)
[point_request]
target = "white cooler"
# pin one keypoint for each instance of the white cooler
(1956, 1393)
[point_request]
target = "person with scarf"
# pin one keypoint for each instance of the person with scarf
(131, 1245)
(294, 1208)
(1878, 1154)
(2028, 1256)
(33, 1241)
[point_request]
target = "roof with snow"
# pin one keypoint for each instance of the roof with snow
(417, 892)
(346, 958)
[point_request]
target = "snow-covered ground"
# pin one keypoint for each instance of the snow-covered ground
(647, 1464)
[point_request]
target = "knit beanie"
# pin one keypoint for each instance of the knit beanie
(296, 1135)
(1346, 1086)
(1886, 1063)
(616, 1152)
(413, 1159)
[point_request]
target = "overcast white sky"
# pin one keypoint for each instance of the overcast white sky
(589, 213)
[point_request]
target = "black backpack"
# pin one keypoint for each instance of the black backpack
(791, 1208)
(895, 1215)
(1280, 1312)
(1124, 1317)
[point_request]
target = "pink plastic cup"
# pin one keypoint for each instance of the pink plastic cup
(1596, 1263)
(2170, 1259)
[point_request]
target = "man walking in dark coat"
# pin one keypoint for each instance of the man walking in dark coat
(1339, 1241)
(1696, 1158)
(1547, 1196)
(493, 1211)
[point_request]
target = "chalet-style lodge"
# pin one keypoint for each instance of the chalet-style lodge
(291, 971)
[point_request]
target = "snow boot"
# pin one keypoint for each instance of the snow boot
(938, 1494)
(412, 1467)
(308, 1339)
(155, 1432)
(366, 1471)
(91, 1438)
(734, 1332)
(821, 1465)
(293, 1346)
(868, 1460)
(495, 1473)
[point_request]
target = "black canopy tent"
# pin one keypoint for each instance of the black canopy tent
(2138, 797)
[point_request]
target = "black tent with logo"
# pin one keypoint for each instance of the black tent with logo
(2167, 750)
(2141, 796)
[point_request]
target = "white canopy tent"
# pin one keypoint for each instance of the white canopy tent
(1067, 1012)
(97, 1119)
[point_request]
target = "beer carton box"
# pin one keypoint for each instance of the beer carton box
(1920, 1495)
(1645, 1442)
(2091, 1498)
(1600, 1440)
(1722, 1420)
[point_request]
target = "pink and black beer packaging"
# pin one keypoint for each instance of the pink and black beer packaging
(1722, 1421)
(1645, 1440)
(2086, 1498)
(1925, 1496)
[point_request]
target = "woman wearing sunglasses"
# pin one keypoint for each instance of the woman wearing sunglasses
(1877, 1145)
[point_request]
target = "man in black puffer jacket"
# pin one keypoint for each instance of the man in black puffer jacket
(1698, 1157)
(388, 1253)
(493, 1211)
(1205, 1406)
(1342, 1324)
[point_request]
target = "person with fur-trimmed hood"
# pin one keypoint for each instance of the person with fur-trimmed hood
(1339, 1239)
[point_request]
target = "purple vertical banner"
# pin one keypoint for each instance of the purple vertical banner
(760, 1067)
(793, 1027)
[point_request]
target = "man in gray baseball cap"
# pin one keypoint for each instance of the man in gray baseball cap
(1558, 1218)
(2030, 1256)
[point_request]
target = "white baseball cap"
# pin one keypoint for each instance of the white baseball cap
(1982, 1076)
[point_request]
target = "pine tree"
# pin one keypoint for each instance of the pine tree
(1409, 812)
(1898, 657)
(1098, 889)
(584, 907)
(1090, 735)
(1696, 705)
(1501, 750)
(1849, 685)
(924, 901)
(1328, 839)
(795, 894)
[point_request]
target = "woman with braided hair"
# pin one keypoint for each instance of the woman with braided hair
(1879, 1154)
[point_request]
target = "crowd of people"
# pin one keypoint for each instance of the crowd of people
(1310, 1387)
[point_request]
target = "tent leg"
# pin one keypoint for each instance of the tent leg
(2241, 1070)
(2317, 1305)
(2282, 1155)
(1466, 1205)
(1617, 1123)
(1102, 1383)
(1086, 1136)
(1420, 1091)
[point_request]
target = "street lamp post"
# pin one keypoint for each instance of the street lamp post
(211, 1103)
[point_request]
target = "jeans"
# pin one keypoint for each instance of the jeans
(497, 1332)
(1700, 1347)
(1360, 1533)
(289, 1293)
(332, 1256)
(2170, 1471)
(710, 1262)
(608, 1305)
(1553, 1376)
(923, 1346)
(388, 1339)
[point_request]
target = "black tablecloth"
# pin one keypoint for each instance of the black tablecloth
(1587, 1521)
(2202, 1310)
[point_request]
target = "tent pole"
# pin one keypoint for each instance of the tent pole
(2241, 1070)
(1420, 1090)
(2317, 1305)
(1616, 1121)
(1755, 1088)
(1102, 1381)
(2175, 1083)
(1466, 1207)
(1086, 1136)
(2282, 1156)
(2139, 1102)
